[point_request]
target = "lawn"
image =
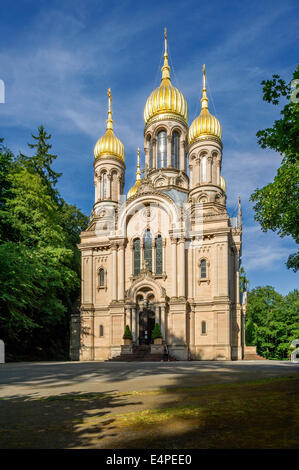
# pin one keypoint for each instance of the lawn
(256, 414)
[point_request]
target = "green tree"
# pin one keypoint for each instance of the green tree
(276, 204)
(272, 321)
(39, 259)
(127, 334)
(157, 332)
(41, 162)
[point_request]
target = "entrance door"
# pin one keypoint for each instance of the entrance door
(146, 326)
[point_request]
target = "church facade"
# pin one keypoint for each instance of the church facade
(168, 252)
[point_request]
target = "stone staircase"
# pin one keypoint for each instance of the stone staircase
(140, 354)
(250, 354)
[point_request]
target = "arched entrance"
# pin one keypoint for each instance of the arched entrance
(146, 325)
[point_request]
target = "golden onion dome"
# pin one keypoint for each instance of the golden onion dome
(166, 98)
(205, 124)
(134, 188)
(109, 144)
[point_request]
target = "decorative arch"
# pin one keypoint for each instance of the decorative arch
(160, 181)
(161, 200)
(102, 277)
(143, 282)
(178, 129)
(161, 127)
(203, 198)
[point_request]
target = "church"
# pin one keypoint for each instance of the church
(167, 252)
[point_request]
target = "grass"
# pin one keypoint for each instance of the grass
(255, 414)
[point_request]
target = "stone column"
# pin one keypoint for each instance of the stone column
(198, 172)
(134, 321)
(99, 188)
(192, 327)
(154, 143)
(163, 255)
(119, 187)
(146, 159)
(190, 280)
(121, 273)
(114, 272)
(157, 314)
(128, 320)
(169, 151)
(153, 256)
(218, 164)
(163, 321)
(181, 267)
(141, 253)
(237, 279)
(182, 162)
(209, 170)
(174, 267)
(95, 189)
(108, 195)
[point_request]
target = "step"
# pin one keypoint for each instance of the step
(254, 357)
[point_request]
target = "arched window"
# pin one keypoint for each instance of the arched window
(148, 250)
(203, 328)
(159, 257)
(136, 247)
(150, 151)
(204, 168)
(175, 149)
(104, 185)
(101, 330)
(203, 269)
(162, 149)
(101, 277)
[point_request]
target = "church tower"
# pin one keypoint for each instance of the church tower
(205, 155)
(165, 132)
(109, 164)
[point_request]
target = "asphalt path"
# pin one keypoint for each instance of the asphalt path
(53, 378)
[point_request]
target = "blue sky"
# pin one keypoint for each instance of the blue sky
(57, 59)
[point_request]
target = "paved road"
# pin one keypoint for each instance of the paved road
(53, 378)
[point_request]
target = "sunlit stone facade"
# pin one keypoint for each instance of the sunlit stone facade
(167, 253)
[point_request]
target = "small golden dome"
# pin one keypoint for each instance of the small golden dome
(166, 98)
(205, 124)
(134, 188)
(109, 144)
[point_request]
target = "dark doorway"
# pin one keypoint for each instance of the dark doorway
(146, 326)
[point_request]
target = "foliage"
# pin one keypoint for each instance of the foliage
(244, 282)
(127, 333)
(157, 332)
(272, 321)
(276, 204)
(39, 260)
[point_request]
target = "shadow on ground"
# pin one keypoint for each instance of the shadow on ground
(243, 415)
(49, 374)
(61, 421)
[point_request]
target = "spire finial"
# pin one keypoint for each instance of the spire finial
(204, 99)
(138, 172)
(109, 120)
(165, 69)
